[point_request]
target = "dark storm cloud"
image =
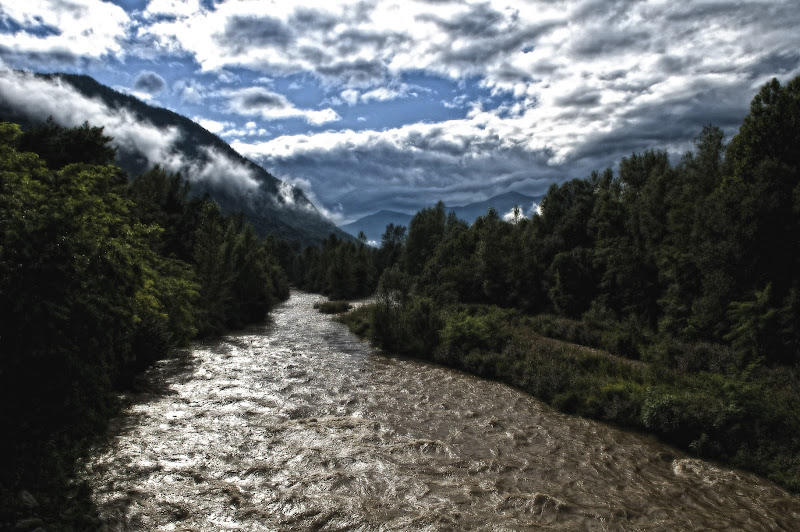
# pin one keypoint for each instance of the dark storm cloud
(684, 12)
(775, 63)
(50, 58)
(149, 82)
(485, 37)
(594, 11)
(412, 169)
(600, 42)
(305, 19)
(480, 53)
(243, 32)
(258, 101)
(355, 72)
(664, 125)
(582, 98)
(669, 64)
(255, 99)
(505, 73)
(388, 177)
(482, 21)
(353, 40)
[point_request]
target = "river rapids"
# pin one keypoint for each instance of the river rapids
(298, 425)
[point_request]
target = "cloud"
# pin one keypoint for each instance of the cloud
(172, 8)
(574, 84)
(213, 126)
(41, 98)
(190, 91)
(409, 167)
(513, 216)
(569, 72)
(380, 94)
(149, 82)
(258, 101)
(287, 190)
(244, 31)
(56, 32)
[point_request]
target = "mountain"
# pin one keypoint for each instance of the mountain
(502, 204)
(374, 225)
(210, 165)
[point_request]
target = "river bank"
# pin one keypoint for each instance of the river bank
(299, 425)
(748, 419)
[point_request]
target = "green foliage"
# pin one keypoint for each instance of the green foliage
(401, 322)
(391, 248)
(358, 320)
(98, 279)
(333, 307)
(751, 322)
(59, 146)
(162, 198)
(581, 332)
(688, 271)
(465, 332)
(425, 231)
(340, 270)
(572, 281)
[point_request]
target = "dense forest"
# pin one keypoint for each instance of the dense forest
(101, 275)
(662, 296)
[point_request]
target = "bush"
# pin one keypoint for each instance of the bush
(569, 330)
(333, 307)
(692, 357)
(625, 338)
(358, 320)
(463, 333)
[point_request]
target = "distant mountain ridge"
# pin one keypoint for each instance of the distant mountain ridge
(374, 225)
(272, 207)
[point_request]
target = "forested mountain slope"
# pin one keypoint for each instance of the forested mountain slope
(206, 161)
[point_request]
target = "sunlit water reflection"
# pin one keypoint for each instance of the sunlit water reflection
(298, 425)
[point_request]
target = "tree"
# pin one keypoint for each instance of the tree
(213, 257)
(392, 242)
(425, 231)
(59, 146)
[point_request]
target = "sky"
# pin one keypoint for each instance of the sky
(389, 104)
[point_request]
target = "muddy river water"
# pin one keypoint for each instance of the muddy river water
(298, 425)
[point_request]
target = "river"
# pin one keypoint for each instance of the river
(298, 425)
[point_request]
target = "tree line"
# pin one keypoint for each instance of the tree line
(342, 269)
(705, 250)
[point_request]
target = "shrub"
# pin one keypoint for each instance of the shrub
(569, 330)
(358, 320)
(463, 333)
(333, 307)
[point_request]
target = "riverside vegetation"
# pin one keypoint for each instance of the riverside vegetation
(99, 277)
(665, 298)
